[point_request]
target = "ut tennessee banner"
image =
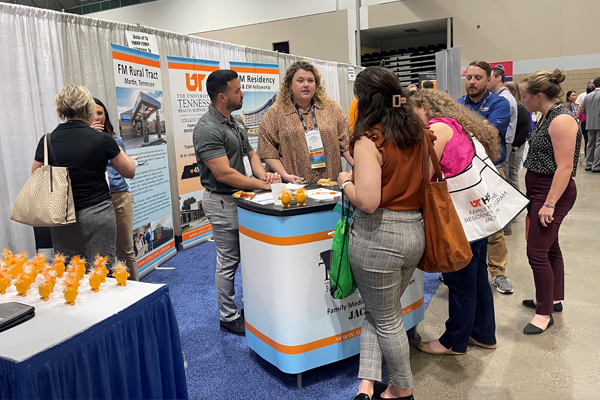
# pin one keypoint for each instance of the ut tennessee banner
(189, 101)
(260, 84)
(141, 124)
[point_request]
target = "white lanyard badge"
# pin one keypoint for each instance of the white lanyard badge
(316, 152)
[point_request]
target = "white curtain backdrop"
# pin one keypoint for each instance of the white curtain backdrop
(88, 56)
(31, 75)
(206, 49)
(329, 73)
(448, 71)
(262, 56)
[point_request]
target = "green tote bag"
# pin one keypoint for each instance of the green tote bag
(342, 280)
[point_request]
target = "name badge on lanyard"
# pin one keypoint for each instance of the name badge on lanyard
(316, 152)
(246, 160)
(247, 167)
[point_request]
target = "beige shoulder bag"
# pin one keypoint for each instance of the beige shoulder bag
(47, 198)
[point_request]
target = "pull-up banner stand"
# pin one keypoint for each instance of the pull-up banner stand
(189, 99)
(142, 126)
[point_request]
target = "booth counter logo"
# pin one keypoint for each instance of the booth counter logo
(193, 82)
(477, 203)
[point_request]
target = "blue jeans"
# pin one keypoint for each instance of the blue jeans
(471, 303)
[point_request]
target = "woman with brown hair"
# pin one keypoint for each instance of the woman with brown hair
(471, 304)
(304, 134)
(387, 237)
(121, 197)
(551, 164)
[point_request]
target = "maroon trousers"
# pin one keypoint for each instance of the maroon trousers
(543, 250)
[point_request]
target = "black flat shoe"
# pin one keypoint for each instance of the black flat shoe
(379, 388)
(531, 329)
(362, 396)
(557, 307)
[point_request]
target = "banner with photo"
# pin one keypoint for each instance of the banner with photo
(189, 101)
(142, 126)
(260, 84)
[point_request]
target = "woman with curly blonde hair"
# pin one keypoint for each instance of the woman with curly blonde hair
(302, 116)
(471, 304)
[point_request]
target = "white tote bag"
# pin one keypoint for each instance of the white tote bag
(46, 199)
(484, 201)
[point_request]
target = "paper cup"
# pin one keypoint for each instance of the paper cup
(277, 189)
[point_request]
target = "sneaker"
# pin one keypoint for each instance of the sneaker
(502, 284)
(237, 326)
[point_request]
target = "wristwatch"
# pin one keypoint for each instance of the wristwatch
(345, 183)
(549, 205)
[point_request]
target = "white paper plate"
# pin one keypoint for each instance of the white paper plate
(291, 186)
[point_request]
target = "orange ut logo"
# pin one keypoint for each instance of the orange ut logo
(194, 81)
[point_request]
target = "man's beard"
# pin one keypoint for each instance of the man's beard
(231, 106)
(479, 93)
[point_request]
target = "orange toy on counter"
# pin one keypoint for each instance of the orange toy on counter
(59, 264)
(95, 279)
(100, 264)
(45, 289)
(285, 199)
(301, 197)
(4, 282)
(71, 285)
(9, 258)
(39, 262)
(79, 265)
(120, 273)
(17, 264)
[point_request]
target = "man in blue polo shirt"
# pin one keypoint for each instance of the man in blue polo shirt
(496, 111)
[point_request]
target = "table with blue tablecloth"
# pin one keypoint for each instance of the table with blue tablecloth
(119, 343)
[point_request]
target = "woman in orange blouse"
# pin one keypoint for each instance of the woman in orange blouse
(301, 115)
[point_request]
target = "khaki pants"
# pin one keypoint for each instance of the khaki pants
(497, 252)
(123, 204)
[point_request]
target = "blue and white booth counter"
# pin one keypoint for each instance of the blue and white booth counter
(291, 319)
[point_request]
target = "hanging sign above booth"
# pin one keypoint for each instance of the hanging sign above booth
(142, 41)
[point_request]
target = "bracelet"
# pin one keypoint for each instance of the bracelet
(345, 183)
(549, 206)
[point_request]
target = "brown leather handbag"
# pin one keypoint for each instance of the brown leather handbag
(446, 246)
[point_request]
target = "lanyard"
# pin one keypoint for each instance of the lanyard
(312, 109)
(502, 90)
(485, 101)
(240, 137)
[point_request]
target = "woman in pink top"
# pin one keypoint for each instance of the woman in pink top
(471, 304)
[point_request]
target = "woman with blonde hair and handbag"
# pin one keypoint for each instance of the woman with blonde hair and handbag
(85, 152)
(387, 237)
(471, 304)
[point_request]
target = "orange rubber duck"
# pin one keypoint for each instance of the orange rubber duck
(285, 199)
(39, 262)
(79, 264)
(23, 283)
(9, 258)
(4, 282)
(59, 264)
(95, 279)
(100, 264)
(45, 289)
(120, 273)
(70, 293)
(301, 197)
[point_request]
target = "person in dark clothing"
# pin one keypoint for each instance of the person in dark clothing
(85, 152)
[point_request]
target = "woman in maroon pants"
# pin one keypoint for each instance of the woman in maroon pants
(551, 164)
